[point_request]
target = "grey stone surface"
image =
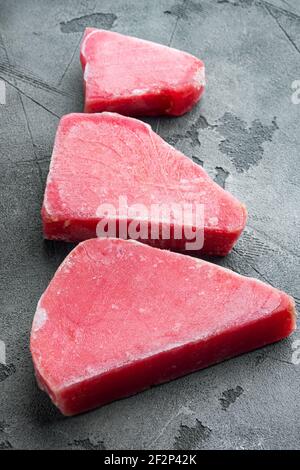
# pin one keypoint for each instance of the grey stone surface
(245, 133)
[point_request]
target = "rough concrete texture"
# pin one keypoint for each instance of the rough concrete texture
(245, 133)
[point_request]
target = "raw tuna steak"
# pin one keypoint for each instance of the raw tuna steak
(133, 77)
(101, 161)
(120, 316)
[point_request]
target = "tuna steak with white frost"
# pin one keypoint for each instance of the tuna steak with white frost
(103, 164)
(136, 77)
(120, 316)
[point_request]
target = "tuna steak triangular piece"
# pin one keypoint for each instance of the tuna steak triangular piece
(106, 161)
(120, 316)
(136, 77)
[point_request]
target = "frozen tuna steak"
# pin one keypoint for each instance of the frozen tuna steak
(120, 316)
(136, 77)
(107, 168)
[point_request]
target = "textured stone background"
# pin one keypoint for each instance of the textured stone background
(245, 133)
